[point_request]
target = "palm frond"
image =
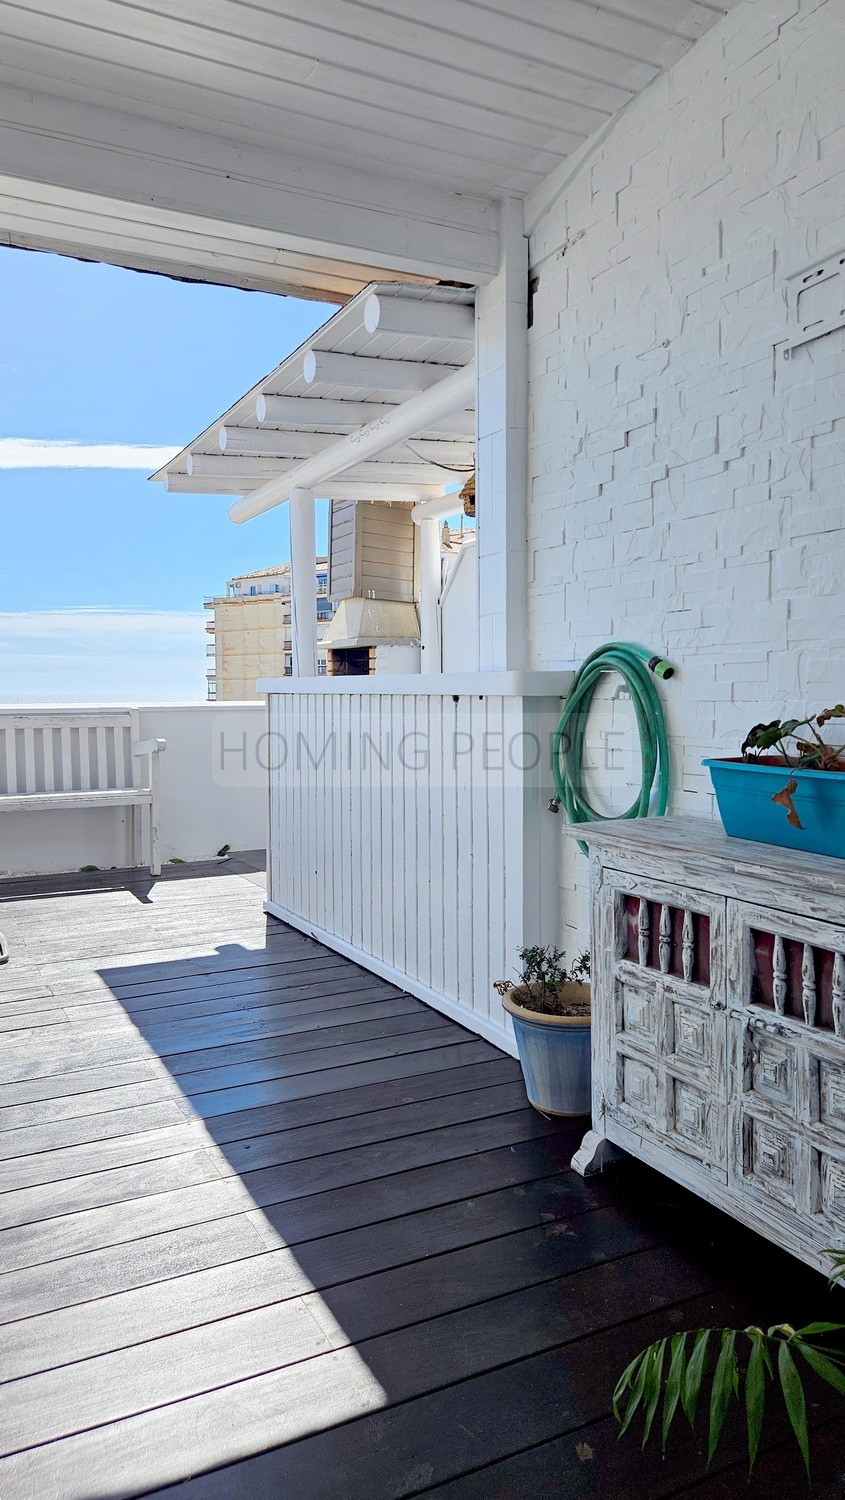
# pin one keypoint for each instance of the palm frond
(778, 1354)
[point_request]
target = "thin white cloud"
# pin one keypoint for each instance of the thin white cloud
(91, 623)
(90, 655)
(50, 453)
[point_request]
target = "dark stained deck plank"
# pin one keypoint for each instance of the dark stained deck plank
(80, 1044)
(289, 1054)
(512, 1191)
(367, 1173)
(276, 1228)
(301, 1129)
(453, 1322)
(530, 1232)
(590, 1461)
(262, 1081)
(450, 1396)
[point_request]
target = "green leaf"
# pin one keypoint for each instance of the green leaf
(762, 737)
(814, 1328)
(637, 1388)
(724, 1385)
(653, 1384)
(755, 1394)
(677, 1367)
(695, 1374)
(793, 1395)
(625, 1380)
(823, 1366)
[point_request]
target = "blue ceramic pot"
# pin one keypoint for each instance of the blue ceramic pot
(554, 1052)
(744, 792)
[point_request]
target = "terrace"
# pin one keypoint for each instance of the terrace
(272, 1226)
(279, 1220)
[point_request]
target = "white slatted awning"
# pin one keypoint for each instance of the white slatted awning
(386, 346)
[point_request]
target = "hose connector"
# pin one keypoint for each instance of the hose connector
(661, 668)
(554, 804)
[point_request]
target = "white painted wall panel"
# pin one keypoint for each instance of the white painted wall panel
(405, 831)
(686, 483)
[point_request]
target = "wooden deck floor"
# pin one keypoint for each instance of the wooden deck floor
(271, 1223)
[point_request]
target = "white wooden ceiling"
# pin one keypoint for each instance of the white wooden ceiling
(484, 96)
(307, 147)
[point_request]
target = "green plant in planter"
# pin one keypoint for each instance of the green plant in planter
(540, 982)
(798, 751)
(677, 1369)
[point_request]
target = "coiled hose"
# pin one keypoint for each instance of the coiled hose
(637, 668)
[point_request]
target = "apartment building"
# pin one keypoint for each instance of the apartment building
(249, 630)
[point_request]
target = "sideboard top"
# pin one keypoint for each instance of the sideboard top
(702, 845)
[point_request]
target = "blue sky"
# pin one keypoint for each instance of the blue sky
(96, 354)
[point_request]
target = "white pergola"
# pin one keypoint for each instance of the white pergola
(378, 405)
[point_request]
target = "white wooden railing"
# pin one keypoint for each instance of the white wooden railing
(409, 827)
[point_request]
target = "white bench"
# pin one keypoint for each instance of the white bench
(56, 760)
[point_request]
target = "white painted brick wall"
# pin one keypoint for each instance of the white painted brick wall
(686, 484)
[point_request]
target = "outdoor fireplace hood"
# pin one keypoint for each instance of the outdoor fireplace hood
(372, 622)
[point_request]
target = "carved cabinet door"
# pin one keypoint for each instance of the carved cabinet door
(659, 1056)
(786, 989)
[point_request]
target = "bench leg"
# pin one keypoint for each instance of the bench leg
(136, 834)
(155, 841)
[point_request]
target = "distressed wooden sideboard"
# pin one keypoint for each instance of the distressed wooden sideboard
(719, 1022)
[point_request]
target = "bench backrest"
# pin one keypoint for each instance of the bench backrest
(66, 752)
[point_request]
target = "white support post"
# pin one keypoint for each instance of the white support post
(155, 812)
(149, 750)
(502, 451)
(429, 594)
(303, 583)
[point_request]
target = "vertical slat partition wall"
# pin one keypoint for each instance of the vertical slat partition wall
(409, 828)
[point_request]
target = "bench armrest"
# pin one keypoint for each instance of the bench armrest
(149, 747)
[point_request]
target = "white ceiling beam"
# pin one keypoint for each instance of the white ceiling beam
(324, 411)
(385, 489)
(427, 320)
(242, 458)
(219, 466)
(250, 440)
(384, 492)
(35, 216)
(314, 207)
(269, 445)
(184, 484)
(360, 371)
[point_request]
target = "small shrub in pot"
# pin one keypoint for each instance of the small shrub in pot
(549, 1005)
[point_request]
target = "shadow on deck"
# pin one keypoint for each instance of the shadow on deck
(269, 1222)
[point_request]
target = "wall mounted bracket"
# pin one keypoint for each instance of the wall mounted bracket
(815, 301)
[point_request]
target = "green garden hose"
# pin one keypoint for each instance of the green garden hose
(637, 668)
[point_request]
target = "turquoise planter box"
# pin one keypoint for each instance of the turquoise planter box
(744, 795)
